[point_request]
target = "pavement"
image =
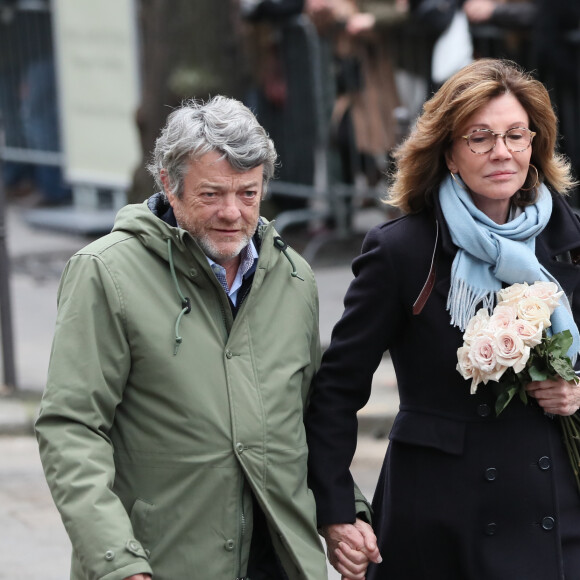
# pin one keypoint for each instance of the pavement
(29, 520)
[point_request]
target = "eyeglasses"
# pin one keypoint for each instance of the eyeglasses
(516, 139)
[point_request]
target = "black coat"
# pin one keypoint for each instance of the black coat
(463, 494)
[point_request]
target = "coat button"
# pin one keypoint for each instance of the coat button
(490, 529)
(109, 555)
(229, 354)
(544, 463)
(239, 447)
(548, 523)
(229, 545)
(490, 473)
(483, 410)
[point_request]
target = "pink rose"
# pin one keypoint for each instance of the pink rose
(504, 315)
(466, 368)
(535, 311)
(482, 353)
(547, 292)
(529, 333)
(476, 325)
(512, 294)
(510, 349)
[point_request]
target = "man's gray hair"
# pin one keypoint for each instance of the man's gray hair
(221, 124)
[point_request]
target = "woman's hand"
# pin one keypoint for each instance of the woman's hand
(350, 548)
(557, 396)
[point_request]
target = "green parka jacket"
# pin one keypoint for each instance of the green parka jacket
(157, 420)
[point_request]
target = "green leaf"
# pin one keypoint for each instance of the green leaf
(504, 398)
(563, 367)
(559, 343)
(538, 374)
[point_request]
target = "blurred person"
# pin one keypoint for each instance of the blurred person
(28, 102)
(280, 92)
(39, 113)
(506, 13)
(557, 57)
(446, 25)
(363, 123)
(367, 95)
(171, 428)
(515, 20)
(463, 494)
(556, 54)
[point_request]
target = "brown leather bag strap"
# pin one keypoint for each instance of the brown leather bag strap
(430, 282)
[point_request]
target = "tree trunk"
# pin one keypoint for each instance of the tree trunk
(188, 49)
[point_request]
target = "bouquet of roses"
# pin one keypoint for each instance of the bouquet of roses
(511, 348)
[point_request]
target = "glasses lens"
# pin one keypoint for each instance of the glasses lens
(518, 139)
(481, 141)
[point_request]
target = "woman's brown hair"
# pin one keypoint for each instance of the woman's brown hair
(420, 159)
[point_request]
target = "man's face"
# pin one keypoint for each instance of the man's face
(220, 206)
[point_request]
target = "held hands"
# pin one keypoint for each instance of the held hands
(351, 547)
(558, 396)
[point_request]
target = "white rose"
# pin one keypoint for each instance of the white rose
(504, 315)
(530, 333)
(476, 325)
(535, 311)
(547, 292)
(466, 368)
(510, 349)
(512, 294)
(482, 355)
(475, 381)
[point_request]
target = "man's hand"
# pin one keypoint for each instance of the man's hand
(558, 396)
(350, 548)
(139, 577)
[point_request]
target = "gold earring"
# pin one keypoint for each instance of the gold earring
(536, 183)
(458, 182)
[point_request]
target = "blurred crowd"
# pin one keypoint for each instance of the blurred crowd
(382, 58)
(28, 104)
(346, 77)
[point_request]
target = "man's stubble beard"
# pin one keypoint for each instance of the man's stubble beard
(208, 246)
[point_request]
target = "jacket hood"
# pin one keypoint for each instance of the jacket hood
(154, 225)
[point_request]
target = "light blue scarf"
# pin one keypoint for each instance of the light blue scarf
(491, 253)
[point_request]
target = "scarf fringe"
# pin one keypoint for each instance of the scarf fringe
(463, 299)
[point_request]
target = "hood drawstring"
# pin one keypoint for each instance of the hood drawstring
(283, 246)
(185, 301)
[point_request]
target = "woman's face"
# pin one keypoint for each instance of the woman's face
(493, 177)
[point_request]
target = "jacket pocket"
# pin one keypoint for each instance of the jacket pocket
(141, 516)
(427, 430)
